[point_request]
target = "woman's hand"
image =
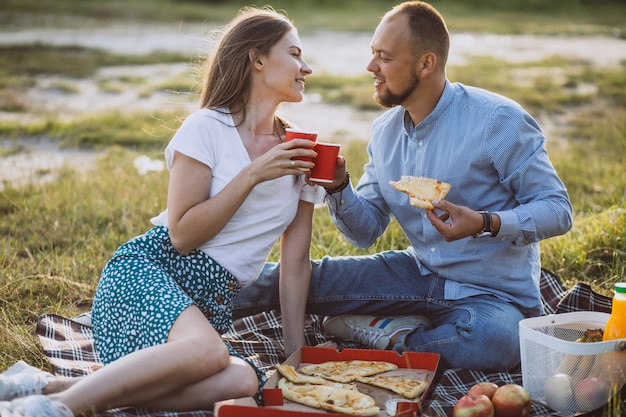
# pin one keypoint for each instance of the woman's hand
(279, 160)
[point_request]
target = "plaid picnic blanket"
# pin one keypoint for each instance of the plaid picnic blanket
(68, 345)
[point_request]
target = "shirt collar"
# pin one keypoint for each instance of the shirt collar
(444, 101)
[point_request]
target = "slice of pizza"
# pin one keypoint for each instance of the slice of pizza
(407, 387)
(329, 398)
(294, 376)
(347, 371)
(422, 191)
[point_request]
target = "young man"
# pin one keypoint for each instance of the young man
(472, 270)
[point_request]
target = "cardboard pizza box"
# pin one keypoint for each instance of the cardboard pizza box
(417, 365)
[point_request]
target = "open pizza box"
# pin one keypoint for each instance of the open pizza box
(415, 365)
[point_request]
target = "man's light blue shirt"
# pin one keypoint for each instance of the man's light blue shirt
(492, 153)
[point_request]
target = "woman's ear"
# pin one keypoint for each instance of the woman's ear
(256, 59)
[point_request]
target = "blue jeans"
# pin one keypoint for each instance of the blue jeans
(478, 333)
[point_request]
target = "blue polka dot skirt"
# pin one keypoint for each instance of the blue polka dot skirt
(147, 284)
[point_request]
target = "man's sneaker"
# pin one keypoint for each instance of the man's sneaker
(34, 406)
(21, 380)
(371, 331)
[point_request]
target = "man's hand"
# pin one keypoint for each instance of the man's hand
(339, 177)
(456, 222)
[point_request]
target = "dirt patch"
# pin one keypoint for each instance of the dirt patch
(40, 160)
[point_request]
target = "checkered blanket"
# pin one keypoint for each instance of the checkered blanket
(68, 345)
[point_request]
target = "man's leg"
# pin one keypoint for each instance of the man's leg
(387, 283)
(479, 333)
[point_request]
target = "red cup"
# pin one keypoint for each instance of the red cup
(325, 162)
(292, 133)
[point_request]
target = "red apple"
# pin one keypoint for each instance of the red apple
(592, 393)
(471, 405)
(511, 400)
(484, 388)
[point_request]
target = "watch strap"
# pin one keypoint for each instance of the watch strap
(487, 229)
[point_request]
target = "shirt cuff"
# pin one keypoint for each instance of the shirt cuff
(510, 226)
(344, 198)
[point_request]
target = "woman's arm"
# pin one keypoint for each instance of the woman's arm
(193, 218)
(295, 276)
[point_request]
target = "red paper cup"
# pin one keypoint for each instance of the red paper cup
(292, 133)
(325, 163)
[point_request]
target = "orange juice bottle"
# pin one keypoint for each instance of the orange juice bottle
(616, 326)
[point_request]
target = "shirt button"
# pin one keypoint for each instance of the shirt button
(433, 249)
(420, 143)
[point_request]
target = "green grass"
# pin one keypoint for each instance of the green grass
(56, 237)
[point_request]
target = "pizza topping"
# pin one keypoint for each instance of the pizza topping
(422, 191)
(347, 371)
(407, 387)
(328, 398)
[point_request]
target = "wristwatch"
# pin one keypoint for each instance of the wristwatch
(487, 229)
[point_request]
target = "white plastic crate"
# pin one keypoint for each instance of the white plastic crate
(548, 347)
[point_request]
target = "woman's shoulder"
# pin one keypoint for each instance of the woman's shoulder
(210, 116)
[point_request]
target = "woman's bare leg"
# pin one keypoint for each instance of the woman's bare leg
(236, 381)
(193, 355)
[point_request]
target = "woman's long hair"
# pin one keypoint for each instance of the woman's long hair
(227, 71)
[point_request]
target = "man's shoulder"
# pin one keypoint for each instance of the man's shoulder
(471, 95)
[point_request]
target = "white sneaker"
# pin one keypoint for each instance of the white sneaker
(84, 319)
(371, 331)
(21, 380)
(34, 406)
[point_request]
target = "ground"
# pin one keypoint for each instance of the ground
(328, 53)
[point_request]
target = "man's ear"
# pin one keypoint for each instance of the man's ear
(427, 63)
(256, 59)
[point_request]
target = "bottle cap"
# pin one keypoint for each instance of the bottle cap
(620, 287)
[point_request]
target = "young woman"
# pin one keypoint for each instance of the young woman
(235, 188)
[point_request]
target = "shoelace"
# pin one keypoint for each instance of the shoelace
(364, 336)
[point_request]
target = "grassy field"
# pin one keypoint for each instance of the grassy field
(56, 237)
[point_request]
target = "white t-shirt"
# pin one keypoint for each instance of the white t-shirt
(243, 245)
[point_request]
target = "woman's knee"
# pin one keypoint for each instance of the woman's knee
(246, 377)
(212, 358)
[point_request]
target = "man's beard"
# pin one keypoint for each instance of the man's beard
(390, 99)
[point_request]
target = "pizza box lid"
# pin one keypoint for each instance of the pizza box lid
(419, 365)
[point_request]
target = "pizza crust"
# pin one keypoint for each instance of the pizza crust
(421, 190)
(294, 376)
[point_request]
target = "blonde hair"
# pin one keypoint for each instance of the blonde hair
(227, 70)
